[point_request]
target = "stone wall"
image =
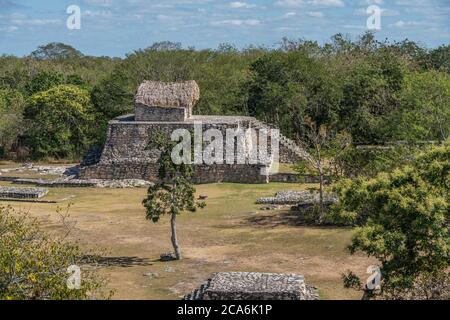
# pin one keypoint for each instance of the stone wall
(145, 113)
(22, 193)
(126, 156)
(254, 286)
(202, 173)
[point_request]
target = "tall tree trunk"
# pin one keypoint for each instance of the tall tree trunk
(321, 206)
(173, 226)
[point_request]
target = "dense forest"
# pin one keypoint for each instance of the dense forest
(56, 102)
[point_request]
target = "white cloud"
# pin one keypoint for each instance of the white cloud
(384, 12)
(164, 18)
(241, 5)
(300, 3)
(36, 22)
(97, 14)
(315, 14)
(237, 22)
(289, 3)
(328, 3)
(9, 29)
(103, 3)
(289, 15)
(369, 2)
(406, 24)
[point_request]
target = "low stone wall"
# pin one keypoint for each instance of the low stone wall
(22, 193)
(285, 177)
(290, 197)
(202, 173)
(254, 286)
(144, 113)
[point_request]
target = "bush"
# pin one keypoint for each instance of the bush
(402, 220)
(33, 265)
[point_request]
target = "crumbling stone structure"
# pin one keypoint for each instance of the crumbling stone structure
(162, 108)
(254, 286)
(22, 193)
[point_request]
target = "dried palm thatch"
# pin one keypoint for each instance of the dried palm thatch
(168, 95)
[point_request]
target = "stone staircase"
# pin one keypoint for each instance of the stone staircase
(285, 142)
(198, 293)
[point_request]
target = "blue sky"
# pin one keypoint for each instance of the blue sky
(116, 27)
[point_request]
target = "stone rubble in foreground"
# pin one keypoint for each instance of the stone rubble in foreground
(254, 286)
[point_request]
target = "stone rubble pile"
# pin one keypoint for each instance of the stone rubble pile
(43, 170)
(254, 286)
(77, 183)
(22, 193)
(290, 197)
(67, 178)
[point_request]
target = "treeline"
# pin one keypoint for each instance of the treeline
(56, 102)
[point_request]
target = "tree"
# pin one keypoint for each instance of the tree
(56, 51)
(11, 118)
(173, 193)
(324, 147)
(43, 81)
(62, 122)
(439, 58)
(287, 87)
(34, 265)
(425, 100)
(402, 220)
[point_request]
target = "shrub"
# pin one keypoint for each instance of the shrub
(33, 265)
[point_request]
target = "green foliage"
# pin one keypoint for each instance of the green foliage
(425, 101)
(369, 97)
(439, 58)
(43, 81)
(377, 91)
(288, 87)
(62, 122)
(54, 51)
(33, 264)
(11, 118)
(402, 220)
(368, 161)
(174, 193)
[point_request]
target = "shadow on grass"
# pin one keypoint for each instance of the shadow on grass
(284, 218)
(123, 262)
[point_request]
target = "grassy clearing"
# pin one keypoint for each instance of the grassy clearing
(230, 234)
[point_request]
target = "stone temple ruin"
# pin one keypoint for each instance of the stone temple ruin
(162, 108)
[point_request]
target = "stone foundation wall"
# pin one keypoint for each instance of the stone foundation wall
(144, 113)
(22, 193)
(202, 174)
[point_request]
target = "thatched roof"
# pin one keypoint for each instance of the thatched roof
(169, 95)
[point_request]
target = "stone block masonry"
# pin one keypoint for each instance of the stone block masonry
(22, 193)
(254, 286)
(162, 108)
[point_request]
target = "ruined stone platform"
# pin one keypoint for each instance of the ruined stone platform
(22, 193)
(254, 286)
(162, 108)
